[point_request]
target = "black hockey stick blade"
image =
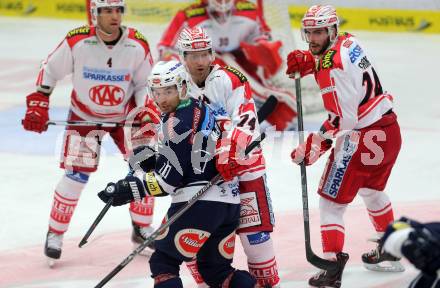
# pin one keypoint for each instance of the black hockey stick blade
(267, 108)
(312, 258)
(95, 223)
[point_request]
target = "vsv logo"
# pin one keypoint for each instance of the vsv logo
(107, 95)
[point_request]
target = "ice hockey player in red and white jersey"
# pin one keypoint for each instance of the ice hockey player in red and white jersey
(362, 123)
(109, 64)
(241, 39)
(227, 92)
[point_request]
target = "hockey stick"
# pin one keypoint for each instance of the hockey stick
(262, 114)
(92, 123)
(95, 223)
(312, 258)
(265, 110)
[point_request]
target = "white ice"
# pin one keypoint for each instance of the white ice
(407, 64)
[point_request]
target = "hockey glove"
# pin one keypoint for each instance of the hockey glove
(311, 149)
(148, 118)
(416, 242)
(423, 250)
(37, 113)
(230, 160)
(124, 191)
(265, 54)
(301, 61)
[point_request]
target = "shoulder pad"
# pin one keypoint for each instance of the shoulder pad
(245, 5)
(345, 34)
(236, 72)
(139, 36)
(78, 34)
(194, 11)
(84, 30)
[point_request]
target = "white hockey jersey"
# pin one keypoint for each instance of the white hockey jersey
(107, 81)
(350, 87)
(228, 94)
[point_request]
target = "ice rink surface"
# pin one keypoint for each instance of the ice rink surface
(407, 65)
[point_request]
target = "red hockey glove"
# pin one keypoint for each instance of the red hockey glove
(311, 149)
(265, 54)
(148, 117)
(230, 158)
(37, 113)
(301, 61)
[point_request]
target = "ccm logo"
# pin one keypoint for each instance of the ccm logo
(41, 104)
(107, 95)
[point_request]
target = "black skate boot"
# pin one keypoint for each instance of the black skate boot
(326, 278)
(381, 261)
(52, 247)
(138, 236)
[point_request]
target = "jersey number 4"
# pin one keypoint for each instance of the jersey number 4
(373, 86)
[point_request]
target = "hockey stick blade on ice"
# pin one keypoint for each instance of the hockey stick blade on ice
(264, 111)
(95, 223)
(312, 258)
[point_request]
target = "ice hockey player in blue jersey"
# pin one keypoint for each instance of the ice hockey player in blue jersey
(420, 244)
(183, 164)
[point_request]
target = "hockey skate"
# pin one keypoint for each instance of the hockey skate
(138, 236)
(52, 247)
(378, 260)
(326, 278)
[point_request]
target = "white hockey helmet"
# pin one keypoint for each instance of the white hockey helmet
(221, 6)
(320, 16)
(168, 73)
(95, 5)
(194, 39)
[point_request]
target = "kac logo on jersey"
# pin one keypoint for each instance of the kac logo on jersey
(107, 95)
(104, 75)
(355, 53)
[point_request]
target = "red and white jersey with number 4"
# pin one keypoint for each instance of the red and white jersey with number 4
(107, 81)
(245, 24)
(350, 87)
(227, 92)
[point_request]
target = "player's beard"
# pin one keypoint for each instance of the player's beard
(323, 47)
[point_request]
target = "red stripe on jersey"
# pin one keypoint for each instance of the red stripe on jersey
(335, 98)
(41, 73)
(371, 104)
(139, 38)
(331, 102)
